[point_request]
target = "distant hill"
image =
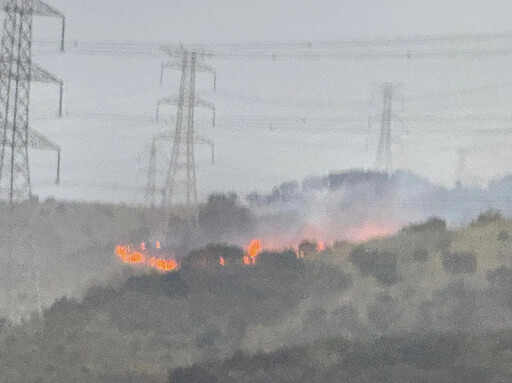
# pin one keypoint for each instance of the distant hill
(425, 279)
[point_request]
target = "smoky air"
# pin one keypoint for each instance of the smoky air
(284, 191)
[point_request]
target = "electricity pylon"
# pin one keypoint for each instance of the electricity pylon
(151, 186)
(182, 168)
(17, 71)
(384, 159)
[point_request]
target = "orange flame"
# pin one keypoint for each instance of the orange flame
(320, 246)
(128, 256)
(222, 261)
(253, 250)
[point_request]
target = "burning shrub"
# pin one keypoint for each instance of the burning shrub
(210, 255)
(381, 265)
(457, 263)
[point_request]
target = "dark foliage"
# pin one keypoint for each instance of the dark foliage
(381, 265)
(503, 236)
(452, 307)
(383, 312)
(308, 249)
(99, 297)
(458, 263)
(193, 374)
(223, 218)
(170, 285)
(431, 358)
(278, 261)
(209, 255)
(488, 217)
(432, 225)
(501, 284)
(420, 255)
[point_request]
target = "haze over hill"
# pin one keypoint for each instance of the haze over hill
(354, 219)
(277, 120)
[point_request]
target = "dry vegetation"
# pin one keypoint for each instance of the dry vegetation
(331, 315)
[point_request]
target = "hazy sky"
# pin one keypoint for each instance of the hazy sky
(113, 154)
(230, 20)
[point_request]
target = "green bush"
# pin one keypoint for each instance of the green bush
(459, 263)
(420, 255)
(503, 236)
(381, 265)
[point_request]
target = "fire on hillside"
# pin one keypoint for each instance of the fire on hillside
(158, 258)
(164, 260)
(141, 255)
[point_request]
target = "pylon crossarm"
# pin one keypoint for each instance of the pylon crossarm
(168, 101)
(177, 50)
(42, 75)
(166, 137)
(165, 101)
(200, 103)
(207, 141)
(175, 65)
(172, 65)
(202, 67)
(38, 141)
(38, 8)
(43, 9)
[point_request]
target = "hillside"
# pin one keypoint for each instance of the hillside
(428, 358)
(426, 278)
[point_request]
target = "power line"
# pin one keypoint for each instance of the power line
(414, 47)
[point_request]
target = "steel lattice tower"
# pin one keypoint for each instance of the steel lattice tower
(384, 160)
(181, 171)
(16, 73)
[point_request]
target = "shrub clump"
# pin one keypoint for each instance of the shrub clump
(381, 265)
(458, 263)
(503, 236)
(487, 217)
(420, 255)
(433, 224)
